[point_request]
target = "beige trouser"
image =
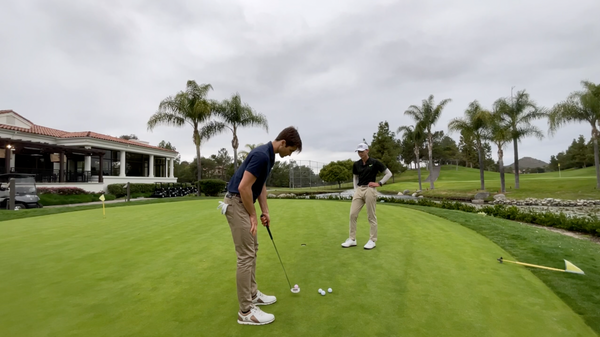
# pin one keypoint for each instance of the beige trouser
(246, 247)
(364, 195)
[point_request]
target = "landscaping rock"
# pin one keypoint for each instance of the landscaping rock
(478, 201)
(400, 193)
(481, 195)
(499, 197)
(406, 192)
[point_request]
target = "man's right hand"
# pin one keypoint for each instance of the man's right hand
(253, 224)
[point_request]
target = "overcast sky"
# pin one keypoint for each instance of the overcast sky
(334, 69)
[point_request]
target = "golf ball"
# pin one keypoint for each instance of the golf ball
(330, 290)
(323, 293)
(295, 286)
(320, 290)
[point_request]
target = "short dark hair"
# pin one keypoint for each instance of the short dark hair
(291, 137)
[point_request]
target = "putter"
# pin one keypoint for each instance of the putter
(271, 236)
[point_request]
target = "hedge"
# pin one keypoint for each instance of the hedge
(119, 190)
(212, 187)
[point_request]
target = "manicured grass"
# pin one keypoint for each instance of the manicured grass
(168, 269)
(464, 182)
(539, 246)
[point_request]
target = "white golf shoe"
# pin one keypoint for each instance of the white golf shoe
(370, 245)
(255, 317)
(349, 243)
(262, 299)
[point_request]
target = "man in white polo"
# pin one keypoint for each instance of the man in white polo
(364, 173)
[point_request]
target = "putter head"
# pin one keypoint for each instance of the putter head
(500, 259)
(295, 290)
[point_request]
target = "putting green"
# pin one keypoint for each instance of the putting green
(169, 270)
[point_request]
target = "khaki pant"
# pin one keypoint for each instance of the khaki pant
(246, 247)
(364, 195)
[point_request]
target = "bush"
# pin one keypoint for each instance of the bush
(212, 187)
(62, 190)
(119, 191)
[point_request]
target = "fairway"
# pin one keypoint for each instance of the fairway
(169, 270)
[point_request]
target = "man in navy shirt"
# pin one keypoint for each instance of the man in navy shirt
(245, 187)
(364, 173)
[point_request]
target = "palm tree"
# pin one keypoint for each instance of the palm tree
(580, 106)
(475, 123)
(428, 114)
(414, 135)
(499, 134)
(191, 107)
(520, 111)
(243, 154)
(236, 114)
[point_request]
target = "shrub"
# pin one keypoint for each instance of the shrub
(62, 190)
(119, 191)
(212, 187)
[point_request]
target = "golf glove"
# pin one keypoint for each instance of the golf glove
(223, 207)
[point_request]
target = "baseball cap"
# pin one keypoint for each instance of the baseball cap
(362, 147)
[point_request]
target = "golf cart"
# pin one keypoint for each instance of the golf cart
(25, 191)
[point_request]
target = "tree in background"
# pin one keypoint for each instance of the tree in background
(474, 124)
(445, 150)
(128, 137)
(412, 139)
(386, 148)
(467, 148)
(580, 106)
(337, 172)
(187, 107)
(234, 115)
(519, 111)
(428, 114)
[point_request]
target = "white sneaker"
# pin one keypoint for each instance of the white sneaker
(370, 245)
(349, 243)
(262, 299)
(255, 317)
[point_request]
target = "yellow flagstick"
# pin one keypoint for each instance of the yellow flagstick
(569, 267)
(103, 211)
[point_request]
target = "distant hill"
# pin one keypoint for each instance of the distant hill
(528, 162)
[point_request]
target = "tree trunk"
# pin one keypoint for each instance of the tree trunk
(430, 148)
(418, 167)
(235, 144)
(516, 165)
(481, 176)
(596, 159)
(198, 163)
(501, 169)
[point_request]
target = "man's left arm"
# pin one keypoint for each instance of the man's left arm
(262, 201)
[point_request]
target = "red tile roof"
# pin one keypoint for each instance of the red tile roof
(42, 130)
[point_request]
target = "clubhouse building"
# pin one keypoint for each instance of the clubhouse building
(88, 160)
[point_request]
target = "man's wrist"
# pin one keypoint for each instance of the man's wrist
(380, 183)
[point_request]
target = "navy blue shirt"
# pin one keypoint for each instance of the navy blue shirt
(259, 162)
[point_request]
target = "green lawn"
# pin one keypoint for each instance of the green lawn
(461, 182)
(168, 269)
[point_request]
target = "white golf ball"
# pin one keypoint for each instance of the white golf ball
(296, 286)
(320, 290)
(323, 293)
(330, 290)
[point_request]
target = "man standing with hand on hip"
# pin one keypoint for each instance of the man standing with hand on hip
(245, 187)
(364, 173)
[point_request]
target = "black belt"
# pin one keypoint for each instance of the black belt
(232, 195)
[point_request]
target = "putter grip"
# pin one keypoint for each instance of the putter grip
(268, 229)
